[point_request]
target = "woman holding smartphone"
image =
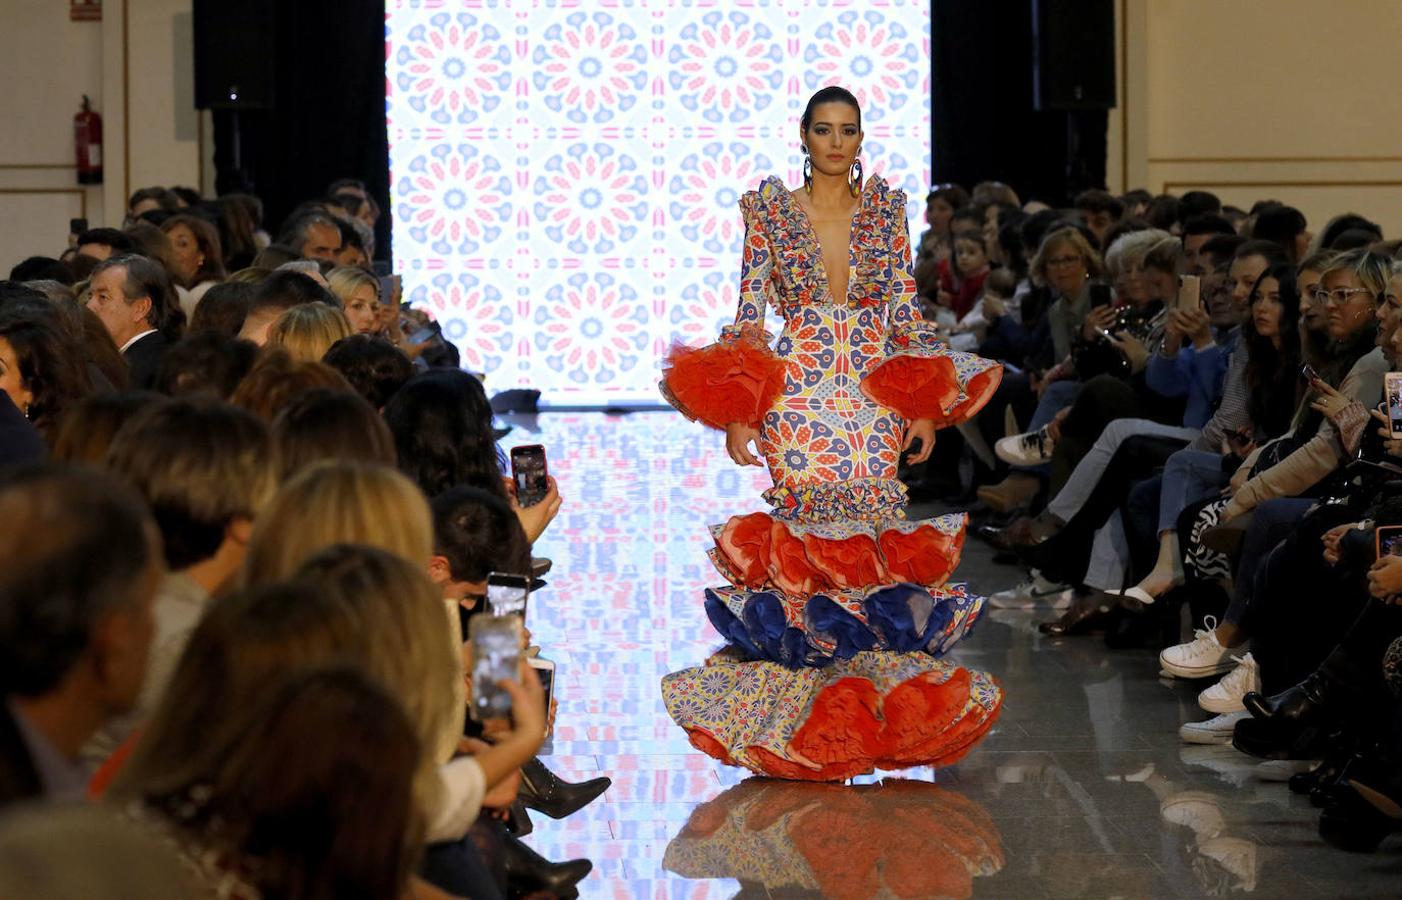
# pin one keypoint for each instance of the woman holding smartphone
(826, 590)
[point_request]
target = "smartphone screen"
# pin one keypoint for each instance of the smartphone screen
(529, 471)
(507, 594)
(496, 656)
(1189, 292)
(390, 290)
(1099, 295)
(1392, 384)
(545, 671)
(1309, 373)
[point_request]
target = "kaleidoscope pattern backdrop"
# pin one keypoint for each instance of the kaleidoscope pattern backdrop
(564, 175)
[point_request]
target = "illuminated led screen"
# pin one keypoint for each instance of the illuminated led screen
(564, 176)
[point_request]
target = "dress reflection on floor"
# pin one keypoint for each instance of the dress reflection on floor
(1081, 790)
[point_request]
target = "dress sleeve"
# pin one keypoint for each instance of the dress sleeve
(920, 377)
(738, 378)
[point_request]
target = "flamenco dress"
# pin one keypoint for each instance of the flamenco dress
(835, 608)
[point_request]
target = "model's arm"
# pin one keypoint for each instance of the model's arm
(921, 378)
(737, 379)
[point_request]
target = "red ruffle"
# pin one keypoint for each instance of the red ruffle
(730, 381)
(758, 551)
(850, 730)
(914, 388)
(928, 388)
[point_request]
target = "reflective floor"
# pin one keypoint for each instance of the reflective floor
(1082, 790)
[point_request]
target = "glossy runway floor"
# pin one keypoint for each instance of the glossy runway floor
(1082, 790)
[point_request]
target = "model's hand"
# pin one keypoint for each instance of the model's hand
(922, 430)
(738, 437)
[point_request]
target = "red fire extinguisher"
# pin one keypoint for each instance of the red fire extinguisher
(87, 144)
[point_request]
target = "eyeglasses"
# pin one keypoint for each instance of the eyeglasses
(1062, 261)
(1339, 295)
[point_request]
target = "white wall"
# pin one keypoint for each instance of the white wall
(135, 65)
(1288, 99)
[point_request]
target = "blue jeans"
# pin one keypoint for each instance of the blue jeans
(1270, 523)
(1188, 476)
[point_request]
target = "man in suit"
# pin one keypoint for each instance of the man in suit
(136, 301)
(80, 560)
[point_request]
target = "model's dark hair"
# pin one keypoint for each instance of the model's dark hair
(442, 425)
(831, 94)
(1270, 373)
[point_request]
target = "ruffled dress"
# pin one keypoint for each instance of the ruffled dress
(835, 611)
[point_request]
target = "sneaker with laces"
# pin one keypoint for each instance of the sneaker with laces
(1035, 593)
(1030, 449)
(1225, 696)
(1202, 657)
(1216, 730)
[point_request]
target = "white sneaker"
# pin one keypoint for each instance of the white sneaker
(1030, 449)
(1216, 730)
(1235, 855)
(1197, 810)
(1034, 593)
(1225, 696)
(1201, 657)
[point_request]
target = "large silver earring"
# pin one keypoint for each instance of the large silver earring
(807, 171)
(854, 178)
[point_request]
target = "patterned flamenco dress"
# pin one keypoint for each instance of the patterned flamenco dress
(836, 612)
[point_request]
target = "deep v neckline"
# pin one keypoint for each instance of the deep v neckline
(812, 233)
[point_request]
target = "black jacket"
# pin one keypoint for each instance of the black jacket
(144, 359)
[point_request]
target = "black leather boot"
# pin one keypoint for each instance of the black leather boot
(519, 821)
(1311, 703)
(542, 789)
(528, 872)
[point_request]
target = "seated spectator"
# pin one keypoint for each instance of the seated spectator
(322, 424)
(197, 258)
(442, 425)
(272, 256)
(86, 430)
(1197, 231)
(313, 235)
(356, 241)
(275, 295)
(1336, 227)
(205, 363)
(307, 331)
(986, 192)
(42, 268)
(104, 243)
(151, 199)
(369, 211)
(276, 380)
(135, 299)
(41, 366)
(79, 565)
(205, 508)
(373, 366)
(1196, 203)
(359, 293)
(1099, 210)
(153, 243)
(940, 205)
(962, 283)
(242, 215)
(1283, 225)
(223, 308)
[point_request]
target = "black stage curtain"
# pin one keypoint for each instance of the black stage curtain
(329, 118)
(984, 125)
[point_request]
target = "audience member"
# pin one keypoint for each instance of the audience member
(224, 308)
(313, 235)
(373, 366)
(276, 380)
(307, 331)
(323, 424)
(197, 258)
(276, 294)
(359, 293)
(137, 303)
(207, 363)
(86, 430)
(103, 243)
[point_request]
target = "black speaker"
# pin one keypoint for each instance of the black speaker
(234, 50)
(1073, 54)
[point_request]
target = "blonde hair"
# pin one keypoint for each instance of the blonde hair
(343, 281)
(1373, 270)
(1071, 235)
(338, 502)
(307, 331)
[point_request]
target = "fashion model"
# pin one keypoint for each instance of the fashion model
(836, 614)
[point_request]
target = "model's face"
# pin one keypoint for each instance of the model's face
(361, 309)
(1266, 308)
(969, 256)
(185, 251)
(1349, 306)
(11, 382)
(833, 138)
(1311, 307)
(937, 213)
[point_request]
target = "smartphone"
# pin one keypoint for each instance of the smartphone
(426, 333)
(545, 671)
(496, 656)
(1100, 294)
(1388, 540)
(391, 289)
(1105, 334)
(507, 594)
(1189, 292)
(1392, 390)
(1309, 373)
(529, 471)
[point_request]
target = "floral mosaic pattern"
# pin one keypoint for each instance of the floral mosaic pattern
(535, 142)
